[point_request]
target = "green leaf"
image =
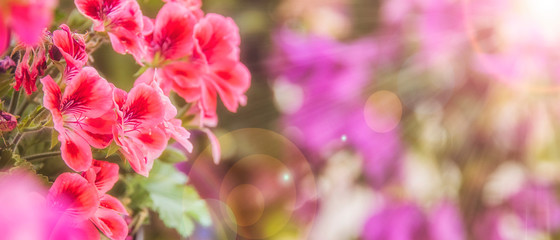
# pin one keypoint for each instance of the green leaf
(112, 149)
(54, 138)
(14, 162)
(172, 155)
(177, 204)
(36, 119)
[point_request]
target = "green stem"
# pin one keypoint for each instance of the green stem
(13, 102)
(33, 129)
(40, 156)
(26, 103)
(16, 140)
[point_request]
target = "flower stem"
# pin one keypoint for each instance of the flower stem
(13, 102)
(40, 156)
(26, 103)
(16, 140)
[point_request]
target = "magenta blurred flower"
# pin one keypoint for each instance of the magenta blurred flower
(538, 206)
(333, 75)
(535, 205)
(23, 214)
(6, 64)
(27, 18)
(406, 221)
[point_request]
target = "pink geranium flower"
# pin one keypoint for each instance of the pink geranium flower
(81, 206)
(122, 20)
(172, 36)
(74, 201)
(137, 133)
(192, 5)
(81, 115)
(73, 48)
(108, 217)
(199, 71)
(26, 75)
(28, 19)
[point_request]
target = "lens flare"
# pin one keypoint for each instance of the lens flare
(383, 111)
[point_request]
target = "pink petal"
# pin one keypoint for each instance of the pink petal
(218, 38)
(90, 8)
(87, 95)
(98, 131)
(71, 48)
(75, 151)
(180, 134)
(125, 14)
(112, 203)
(232, 84)
(30, 20)
(153, 141)
(99, 10)
(209, 100)
(74, 196)
(185, 74)
(4, 35)
(143, 107)
(111, 224)
(133, 153)
(141, 148)
(148, 25)
(173, 32)
(119, 97)
(70, 229)
(52, 95)
(124, 41)
(24, 74)
(214, 144)
(103, 174)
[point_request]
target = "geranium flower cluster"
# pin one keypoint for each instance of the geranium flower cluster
(183, 50)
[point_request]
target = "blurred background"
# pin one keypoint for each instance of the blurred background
(382, 119)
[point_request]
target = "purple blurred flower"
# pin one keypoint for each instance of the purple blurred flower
(487, 226)
(6, 64)
(406, 221)
(333, 76)
(538, 206)
(445, 223)
(535, 205)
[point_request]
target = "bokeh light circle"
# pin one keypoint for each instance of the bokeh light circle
(247, 204)
(383, 111)
(264, 180)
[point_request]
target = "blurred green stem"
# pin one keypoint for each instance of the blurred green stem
(40, 156)
(13, 102)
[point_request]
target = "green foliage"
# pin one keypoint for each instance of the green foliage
(14, 162)
(165, 191)
(111, 149)
(35, 120)
(172, 155)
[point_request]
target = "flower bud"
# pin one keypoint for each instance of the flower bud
(6, 64)
(7, 122)
(55, 54)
